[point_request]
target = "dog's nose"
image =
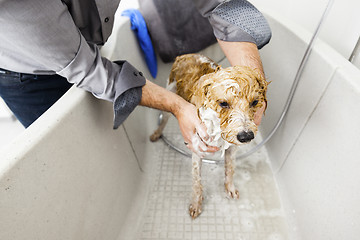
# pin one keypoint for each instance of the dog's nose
(244, 136)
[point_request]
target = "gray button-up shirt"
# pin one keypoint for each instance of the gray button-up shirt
(62, 37)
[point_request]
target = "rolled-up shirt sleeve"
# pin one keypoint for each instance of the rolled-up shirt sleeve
(236, 21)
(42, 38)
(112, 81)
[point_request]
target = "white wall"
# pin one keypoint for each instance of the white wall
(341, 29)
(314, 153)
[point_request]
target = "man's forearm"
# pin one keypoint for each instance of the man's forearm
(154, 96)
(243, 54)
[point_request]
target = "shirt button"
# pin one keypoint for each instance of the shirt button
(135, 73)
(106, 19)
(140, 73)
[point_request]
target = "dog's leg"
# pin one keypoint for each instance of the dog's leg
(229, 172)
(158, 132)
(165, 116)
(197, 198)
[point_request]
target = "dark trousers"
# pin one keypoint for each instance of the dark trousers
(28, 96)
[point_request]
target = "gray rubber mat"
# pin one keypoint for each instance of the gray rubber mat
(257, 215)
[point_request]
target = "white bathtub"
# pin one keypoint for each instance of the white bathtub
(70, 176)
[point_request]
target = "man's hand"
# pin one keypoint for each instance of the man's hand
(192, 129)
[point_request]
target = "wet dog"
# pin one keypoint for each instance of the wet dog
(226, 100)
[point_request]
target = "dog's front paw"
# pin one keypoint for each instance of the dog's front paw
(194, 210)
(155, 136)
(231, 191)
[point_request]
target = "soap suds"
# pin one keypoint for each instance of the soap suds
(212, 123)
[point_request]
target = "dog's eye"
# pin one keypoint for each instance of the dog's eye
(254, 103)
(224, 105)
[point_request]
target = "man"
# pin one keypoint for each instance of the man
(47, 45)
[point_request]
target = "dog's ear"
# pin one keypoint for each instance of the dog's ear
(198, 96)
(205, 83)
(206, 89)
(263, 87)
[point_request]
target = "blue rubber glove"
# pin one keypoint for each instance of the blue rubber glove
(138, 25)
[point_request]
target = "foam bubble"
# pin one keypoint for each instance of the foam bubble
(212, 123)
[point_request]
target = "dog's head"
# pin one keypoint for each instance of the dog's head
(235, 94)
